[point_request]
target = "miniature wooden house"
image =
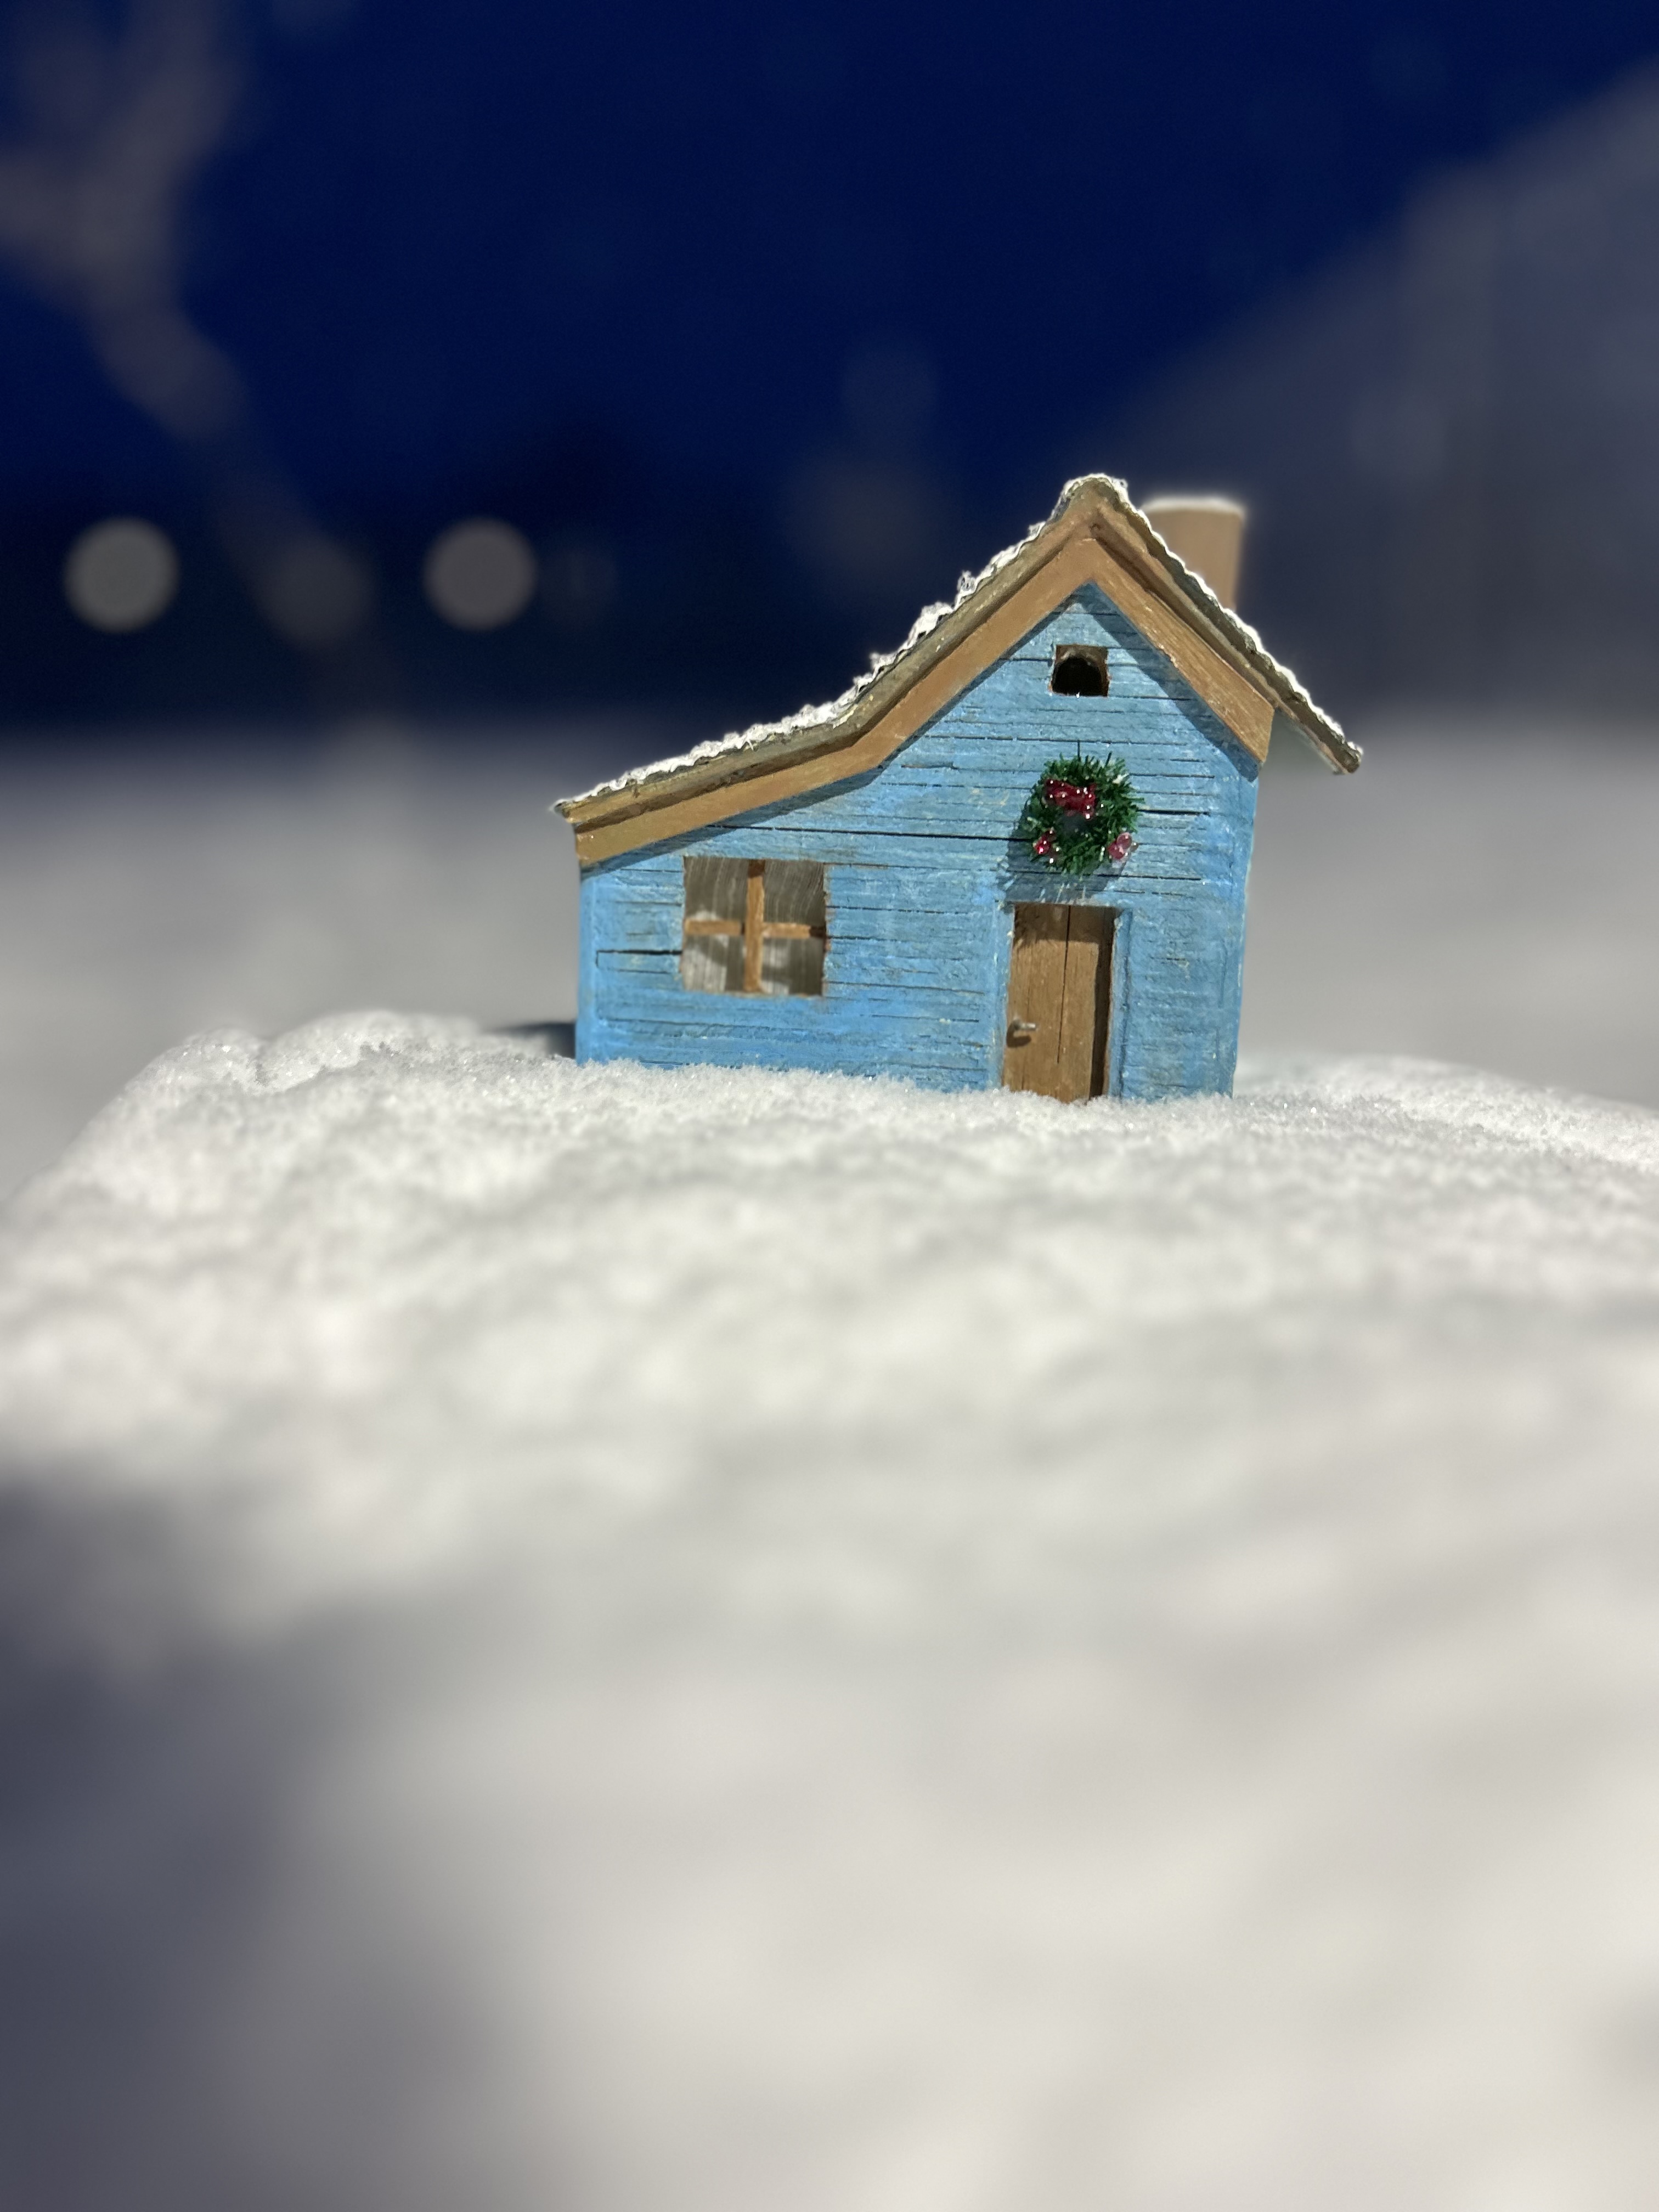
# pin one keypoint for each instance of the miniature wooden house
(849, 889)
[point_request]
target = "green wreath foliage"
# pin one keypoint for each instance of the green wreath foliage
(1082, 814)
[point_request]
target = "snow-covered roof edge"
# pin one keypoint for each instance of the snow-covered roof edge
(889, 670)
(1209, 503)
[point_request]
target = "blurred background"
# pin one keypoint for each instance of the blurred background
(408, 413)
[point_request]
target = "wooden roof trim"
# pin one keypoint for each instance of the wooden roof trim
(1125, 529)
(723, 766)
(1234, 691)
(1072, 560)
(853, 748)
(1094, 536)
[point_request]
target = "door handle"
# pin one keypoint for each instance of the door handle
(1020, 1031)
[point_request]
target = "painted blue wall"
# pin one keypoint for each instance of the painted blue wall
(922, 877)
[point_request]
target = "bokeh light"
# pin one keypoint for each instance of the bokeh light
(480, 574)
(578, 583)
(121, 574)
(314, 594)
(869, 529)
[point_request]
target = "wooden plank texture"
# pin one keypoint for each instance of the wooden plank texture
(1059, 1001)
(1037, 1000)
(1086, 1013)
(922, 882)
(754, 913)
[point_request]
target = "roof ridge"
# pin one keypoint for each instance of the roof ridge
(1325, 733)
(1204, 610)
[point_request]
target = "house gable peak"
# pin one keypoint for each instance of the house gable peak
(1096, 534)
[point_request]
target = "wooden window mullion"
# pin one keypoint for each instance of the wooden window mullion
(754, 926)
(739, 963)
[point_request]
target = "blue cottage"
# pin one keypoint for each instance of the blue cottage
(847, 889)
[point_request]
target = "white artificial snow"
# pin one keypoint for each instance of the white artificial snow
(142, 899)
(1479, 894)
(1483, 892)
(793, 1642)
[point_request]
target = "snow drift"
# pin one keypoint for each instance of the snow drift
(637, 1639)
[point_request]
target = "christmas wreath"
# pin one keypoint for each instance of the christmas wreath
(1081, 815)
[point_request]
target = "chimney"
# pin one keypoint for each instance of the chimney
(1206, 532)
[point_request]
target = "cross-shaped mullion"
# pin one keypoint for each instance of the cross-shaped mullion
(754, 929)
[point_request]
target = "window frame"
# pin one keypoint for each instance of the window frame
(756, 933)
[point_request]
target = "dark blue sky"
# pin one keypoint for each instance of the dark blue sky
(463, 256)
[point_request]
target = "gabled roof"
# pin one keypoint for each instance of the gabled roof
(1094, 535)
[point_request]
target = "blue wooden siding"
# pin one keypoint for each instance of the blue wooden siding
(922, 878)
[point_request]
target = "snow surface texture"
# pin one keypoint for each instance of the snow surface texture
(1483, 899)
(140, 902)
(706, 1641)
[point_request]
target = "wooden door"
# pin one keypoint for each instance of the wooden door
(1060, 1001)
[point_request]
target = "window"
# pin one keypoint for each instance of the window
(754, 926)
(1080, 671)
